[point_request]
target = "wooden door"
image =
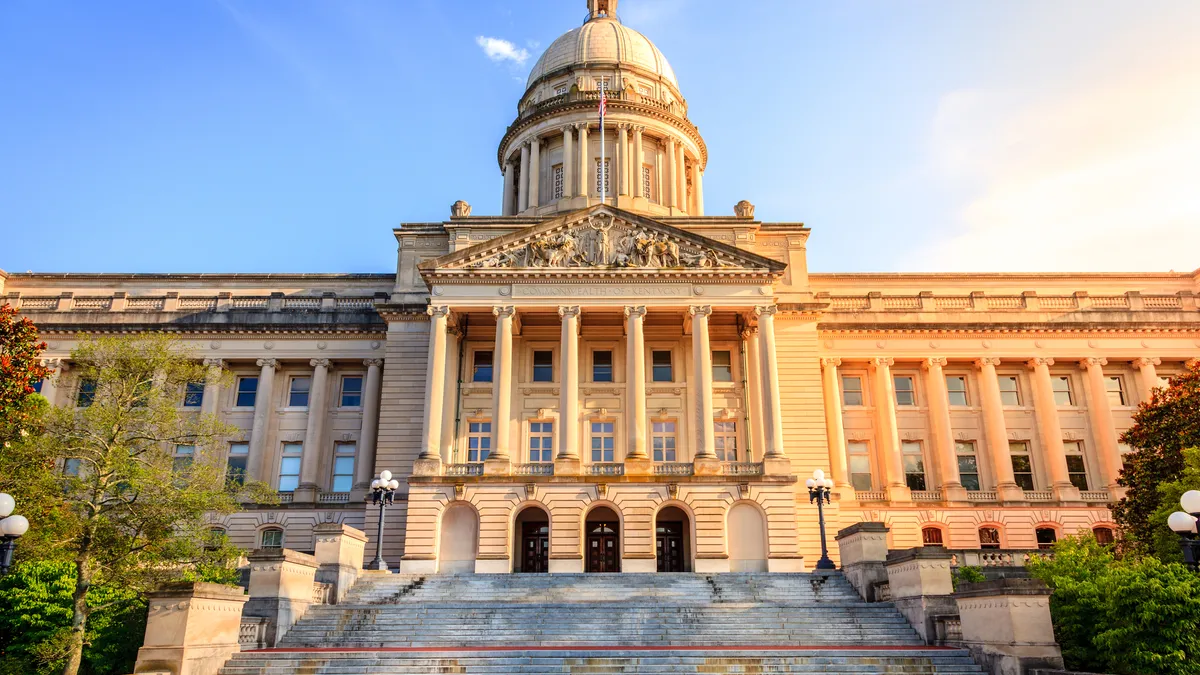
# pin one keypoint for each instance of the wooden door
(535, 547)
(603, 548)
(669, 547)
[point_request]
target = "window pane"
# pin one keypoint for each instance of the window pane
(956, 387)
(1104, 535)
(968, 473)
(602, 366)
(905, 394)
(482, 367)
(1062, 391)
(87, 393)
(852, 391)
(1046, 537)
(343, 483)
(543, 366)
(193, 394)
(351, 392)
(298, 394)
(722, 366)
(989, 537)
(272, 538)
(1008, 391)
(661, 366)
(246, 389)
(1116, 391)
(931, 536)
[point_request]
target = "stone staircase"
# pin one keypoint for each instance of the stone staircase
(601, 624)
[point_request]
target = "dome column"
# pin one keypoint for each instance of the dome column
(507, 204)
(623, 164)
(638, 161)
(583, 159)
(697, 189)
(672, 183)
(523, 185)
(535, 172)
(681, 200)
(568, 166)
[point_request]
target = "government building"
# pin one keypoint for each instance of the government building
(611, 375)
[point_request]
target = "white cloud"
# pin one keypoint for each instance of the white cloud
(498, 49)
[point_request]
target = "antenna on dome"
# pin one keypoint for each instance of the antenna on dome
(602, 8)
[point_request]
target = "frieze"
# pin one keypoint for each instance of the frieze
(604, 291)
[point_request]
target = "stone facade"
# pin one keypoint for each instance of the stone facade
(632, 385)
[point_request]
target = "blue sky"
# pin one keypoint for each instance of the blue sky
(243, 136)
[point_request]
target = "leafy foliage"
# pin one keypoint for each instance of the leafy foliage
(1163, 427)
(1164, 544)
(967, 574)
(1134, 616)
(20, 369)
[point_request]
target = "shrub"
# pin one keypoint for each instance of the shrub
(968, 575)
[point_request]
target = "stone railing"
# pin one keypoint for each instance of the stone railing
(1039, 496)
(607, 469)
(1095, 496)
(302, 303)
(1028, 301)
(674, 469)
(333, 498)
(994, 557)
(593, 95)
(870, 496)
(285, 497)
(533, 469)
(742, 469)
(927, 495)
(883, 591)
(982, 496)
(253, 633)
(92, 304)
(251, 302)
(322, 593)
(948, 630)
(469, 469)
(173, 302)
(197, 304)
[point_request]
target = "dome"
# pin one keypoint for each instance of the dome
(603, 40)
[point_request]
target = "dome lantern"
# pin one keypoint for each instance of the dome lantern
(602, 8)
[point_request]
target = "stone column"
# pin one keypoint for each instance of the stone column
(450, 395)
(885, 427)
(568, 406)
(584, 158)
(50, 385)
(535, 172)
(314, 433)
(680, 178)
(638, 160)
(368, 433)
(523, 184)
(435, 386)
(756, 433)
(212, 386)
(635, 381)
(623, 165)
(192, 628)
(772, 403)
(508, 202)
(568, 164)
(834, 429)
(995, 431)
(1148, 372)
(943, 437)
(502, 367)
(1050, 430)
(702, 381)
(263, 403)
(672, 190)
(1103, 428)
(698, 188)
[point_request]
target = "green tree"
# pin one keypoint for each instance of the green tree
(1163, 427)
(20, 369)
(1163, 543)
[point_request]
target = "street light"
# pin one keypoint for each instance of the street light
(11, 528)
(1186, 523)
(819, 488)
(383, 495)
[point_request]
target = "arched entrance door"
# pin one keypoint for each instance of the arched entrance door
(531, 533)
(672, 540)
(602, 538)
(459, 542)
(747, 536)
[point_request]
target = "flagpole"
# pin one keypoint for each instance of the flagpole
(603, 160)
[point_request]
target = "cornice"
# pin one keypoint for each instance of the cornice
(992, 276)
(185, 333)
(950, 332)
(200, 276)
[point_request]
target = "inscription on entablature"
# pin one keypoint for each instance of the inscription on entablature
(601, 290)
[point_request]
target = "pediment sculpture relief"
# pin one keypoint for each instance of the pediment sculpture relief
(603, 241)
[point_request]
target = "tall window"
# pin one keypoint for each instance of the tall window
(1115, 389)
(183, 457)
(602, 366)
(247, 388)
(905, 393)
(541, 441)
(1009, 393)
(482, 367)
(661, 370)
(914, 465)
(602, 184)
(646, 184)
(87, 393)
(1076, 467)
(343, 466)
(989, 537)
(289, 467)
(352, 386)
(479, 441)
(543, 366)
(722, 366)
(235, 466)
(1062, 391)
(968, 464)
(725, 440)
(1046, 536)
(1022, 467)
(859, 454)
(956, 389)
(556, 185)
(852, 392)
(662, 440)
(932, 536)
(272, 537)
(603, 441)
(298, 392)
(193, 394)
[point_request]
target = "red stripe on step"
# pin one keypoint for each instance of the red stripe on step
(598, 648)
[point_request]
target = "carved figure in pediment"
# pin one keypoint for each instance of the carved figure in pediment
(666, 252)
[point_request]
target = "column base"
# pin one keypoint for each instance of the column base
(418, 566)
(899, 493)
(379, 566)
(306, 493)
(639, 565)
(573, 565)
(1117, 492)
(493, 566)
(497, 466)
(711, 565)
(1066, 493)
(1010, 493)
(786, 565)
(638, 466)
(427, 467)
(954, 492)
(777, 466)
(567, 466)
(706, 466)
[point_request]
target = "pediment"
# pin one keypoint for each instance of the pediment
(602, 239)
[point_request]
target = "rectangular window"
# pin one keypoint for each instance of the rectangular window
(1062, 391)
(543, 366)
(556, 186)
(662, 440)
(603, 441)
(247, 388)
(956, 389)
(343, 466)
(183, 457)
(561, 89)
(193, 394)
(1115, 388)
(479, 441)
(352, 387)
(603, 83)
(968, 465)
(646, 183)
(1009, 393)
(272, 538)
(602, 184)
(859, 454)
(722, 366)
(141, 393)
(602, 366)
(1022, 467)
(72, 467)
(482, 367)
(661, 370)
(87, 393)
(725, 440)
(235, 466)
(905, 393)
(289, 467)
(541, 441)
(298, 392)
(643, 90)
(1076, 467)
(852, 393)
(914, 465)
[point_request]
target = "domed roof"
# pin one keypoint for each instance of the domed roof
(603, 40)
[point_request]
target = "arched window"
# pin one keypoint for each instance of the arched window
(1046, 536)
(989, 537)
(1104, 535)
(932, 536)
(272, 537)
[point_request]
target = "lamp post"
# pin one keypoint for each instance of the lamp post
(11, 528)
(1185, 523)
(819, 488)
(383, 495)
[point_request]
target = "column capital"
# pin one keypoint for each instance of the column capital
(214, 363)
(267, 363)
(636, 310)
(1039, 361)
(831, 362)
(567, 128)
(319, 363)
(934, 362)
(1093, 361)
(700, 310)
(882, 362)
(766, 310)
(62, 365)
(438, 310)
(1143, 361)
(748, 332)
(378, 363)
(565, 311)
(983, 361)
(505, 311)
(581, 126)
(508, 164)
